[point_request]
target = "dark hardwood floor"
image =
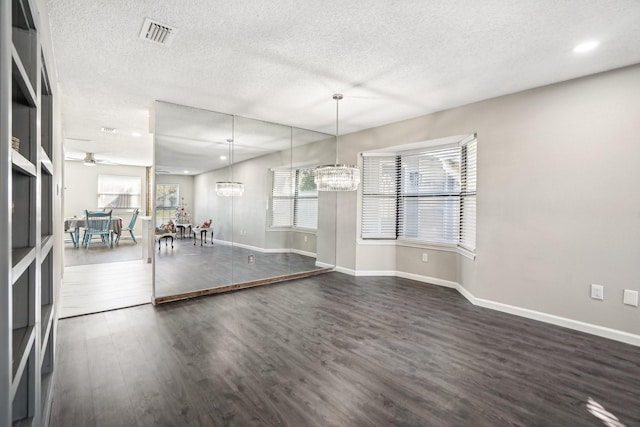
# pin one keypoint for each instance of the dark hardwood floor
(335, 350)
(187, 267)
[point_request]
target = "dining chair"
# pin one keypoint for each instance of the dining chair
(129, 228)
(98, 224)
(73, 233)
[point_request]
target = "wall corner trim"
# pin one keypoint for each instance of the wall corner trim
(589, 328)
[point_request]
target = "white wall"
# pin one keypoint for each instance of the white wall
(245, 220)
(558, 205)
(81, 189)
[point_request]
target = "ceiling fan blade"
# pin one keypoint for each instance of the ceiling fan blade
(107, 162)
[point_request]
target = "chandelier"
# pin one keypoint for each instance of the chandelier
(230, 188)
(337, 177)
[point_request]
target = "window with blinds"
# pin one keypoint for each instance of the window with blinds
(380, 197)
(294, 199)
(427, 196)
(430, 195)
(468, 178)
(119, 192)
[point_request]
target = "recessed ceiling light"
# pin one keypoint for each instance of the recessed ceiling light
(136, 134)
(186, 171)
(223, 157)
(585, 47)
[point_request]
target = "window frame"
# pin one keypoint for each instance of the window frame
(171, 209)
(397, 152)
(293, 195)
(100, 193)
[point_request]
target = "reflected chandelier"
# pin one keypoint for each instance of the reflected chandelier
(337, 177)
(230, 188)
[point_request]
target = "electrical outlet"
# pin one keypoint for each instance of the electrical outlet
(425, 257)
(251, 259)
(597, 292)
(630, 297)
(305, 238)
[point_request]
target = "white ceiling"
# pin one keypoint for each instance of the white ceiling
(281, 61)
(192, 141)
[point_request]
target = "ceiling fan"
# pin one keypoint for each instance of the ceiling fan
(90, 160)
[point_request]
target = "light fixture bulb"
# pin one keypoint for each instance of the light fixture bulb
(586, 47)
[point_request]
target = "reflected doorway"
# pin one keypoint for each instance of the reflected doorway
(104, 277)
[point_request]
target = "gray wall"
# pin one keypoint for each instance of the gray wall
(558, 205)
(249, 223)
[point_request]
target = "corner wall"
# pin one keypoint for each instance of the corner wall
(558, 205)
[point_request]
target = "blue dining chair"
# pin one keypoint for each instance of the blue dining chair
(129, 228)
(98, 224)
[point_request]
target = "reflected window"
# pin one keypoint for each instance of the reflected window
(119, 191)
(167, 197)
(294, 199)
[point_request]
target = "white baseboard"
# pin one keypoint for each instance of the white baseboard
(303, 253)
(263, 250)
(601, 331)
(589, 328)
(345, 270)
(426, 279)
(369, 273)
(324, 265)
(222, 242)
(243, 246)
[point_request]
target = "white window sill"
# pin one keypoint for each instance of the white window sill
(296, 229)
(421, 245)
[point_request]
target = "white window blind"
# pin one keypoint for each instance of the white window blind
(282, 196)
(468, 174)
(294, 201)
(428, 196)
(379, 197)
(305, 213)
(119, 192)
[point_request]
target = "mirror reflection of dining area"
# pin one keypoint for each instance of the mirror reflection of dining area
(100, 224)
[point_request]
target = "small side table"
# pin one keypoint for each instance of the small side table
(166, 237)
(181, 228)
(201, 231)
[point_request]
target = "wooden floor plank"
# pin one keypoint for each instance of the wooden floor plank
(94, 288)
(335, 350)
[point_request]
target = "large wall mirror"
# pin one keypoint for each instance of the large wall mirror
(235, 204)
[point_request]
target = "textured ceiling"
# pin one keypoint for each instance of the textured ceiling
(281, 61)
(192, 141)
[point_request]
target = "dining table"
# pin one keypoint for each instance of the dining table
(74, 224)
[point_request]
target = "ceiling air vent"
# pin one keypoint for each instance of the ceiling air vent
(156, 32)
